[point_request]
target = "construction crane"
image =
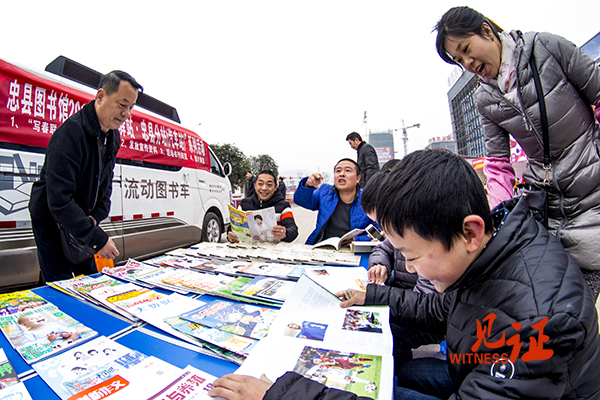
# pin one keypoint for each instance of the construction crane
(405, 135)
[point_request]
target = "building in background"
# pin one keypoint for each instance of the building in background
(592, 47)
(442, 142)
(383, 143)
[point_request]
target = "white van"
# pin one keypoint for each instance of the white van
(169, 189)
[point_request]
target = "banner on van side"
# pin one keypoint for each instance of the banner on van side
(32, 107)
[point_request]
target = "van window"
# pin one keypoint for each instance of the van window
(215, 167)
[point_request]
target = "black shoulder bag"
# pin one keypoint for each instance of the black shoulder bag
(538, 199)
(75, 250)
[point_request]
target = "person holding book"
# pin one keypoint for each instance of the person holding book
(520, 320)
(338, 205)
(266, 195)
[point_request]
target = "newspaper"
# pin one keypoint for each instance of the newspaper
(349, 349)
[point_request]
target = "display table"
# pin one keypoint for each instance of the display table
(137, 336)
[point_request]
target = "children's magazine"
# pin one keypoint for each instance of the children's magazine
(42, 332)
(241, 319)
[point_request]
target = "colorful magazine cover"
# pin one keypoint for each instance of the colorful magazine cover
(42, 332)
(239, 224)
(12, 303)
(8, 375)
(190, 333)
(241, 319)
(229, 341)
(271, 289)
(261, 222)
(85, 370)
(130, 271)
(356, 373)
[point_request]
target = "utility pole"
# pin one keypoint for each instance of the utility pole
(405, 135)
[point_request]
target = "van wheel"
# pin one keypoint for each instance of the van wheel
(211, 228)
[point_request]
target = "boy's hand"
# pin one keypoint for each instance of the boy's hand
(378, 274)
(232, 238)
(351, 297)
(240, 387)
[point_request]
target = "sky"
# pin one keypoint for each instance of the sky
(285, 78)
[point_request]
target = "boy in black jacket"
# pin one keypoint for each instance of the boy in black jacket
(520, 321)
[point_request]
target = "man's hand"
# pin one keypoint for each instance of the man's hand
(240, 387)
(279, 232)
(378, 274)
(314, 180)
(109, 250)
(232, 237)
(351, 297)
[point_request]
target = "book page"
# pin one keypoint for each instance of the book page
(261, 223)
(350, 348)
(239, 224)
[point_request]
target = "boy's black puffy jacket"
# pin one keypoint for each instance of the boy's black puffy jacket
(522, 276)
(283, 212)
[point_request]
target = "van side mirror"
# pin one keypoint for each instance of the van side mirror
(227, 169)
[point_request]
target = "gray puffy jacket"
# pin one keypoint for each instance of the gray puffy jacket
(571, 83)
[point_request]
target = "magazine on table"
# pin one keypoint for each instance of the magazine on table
(108, 296)
(192, 384)
(337, 242)
(43, 331)
(241, 319)
(87, 371)
(11, 388)
(349, 349)
(12, 303)
(131, 270)
(231, 342)
(266, 288)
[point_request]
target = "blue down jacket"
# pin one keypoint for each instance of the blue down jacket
(325, 199)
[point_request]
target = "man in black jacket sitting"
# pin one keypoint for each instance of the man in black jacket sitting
(519, 319)
(266, 195)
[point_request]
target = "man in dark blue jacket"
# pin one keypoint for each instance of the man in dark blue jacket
(76, 179)
(338, 205)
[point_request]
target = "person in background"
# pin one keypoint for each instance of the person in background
(519, 319)
(508, 103)
(366, 157)
(75, 182)
(250, 185)
(338, 205)
(266, 195)
(281, 187)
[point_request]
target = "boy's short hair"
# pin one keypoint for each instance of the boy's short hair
(431, 192)
(369, 196)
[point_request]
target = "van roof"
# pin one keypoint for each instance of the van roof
(70, 69)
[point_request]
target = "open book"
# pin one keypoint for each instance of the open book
(337, 242)
(254, 226)
(344, 348)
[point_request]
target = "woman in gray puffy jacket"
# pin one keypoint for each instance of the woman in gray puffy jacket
(508, 103)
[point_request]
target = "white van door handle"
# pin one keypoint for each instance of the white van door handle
(201, 180)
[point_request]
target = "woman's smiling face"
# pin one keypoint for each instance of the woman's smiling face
(479, 54)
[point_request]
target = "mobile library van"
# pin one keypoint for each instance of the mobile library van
(169, 189)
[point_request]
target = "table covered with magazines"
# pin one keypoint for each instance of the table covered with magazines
(170, 325)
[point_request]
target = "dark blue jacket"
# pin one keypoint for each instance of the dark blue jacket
(325, 199)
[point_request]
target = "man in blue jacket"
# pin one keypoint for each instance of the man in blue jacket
(338, 205)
